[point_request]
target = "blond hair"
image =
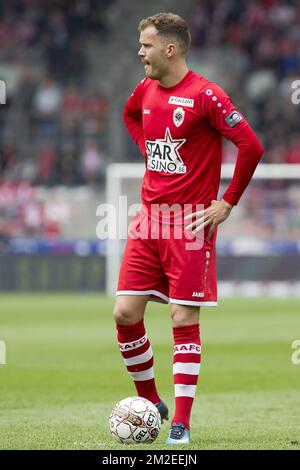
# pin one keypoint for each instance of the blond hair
(169, 26)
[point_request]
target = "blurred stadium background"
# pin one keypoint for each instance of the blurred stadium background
(69, 67)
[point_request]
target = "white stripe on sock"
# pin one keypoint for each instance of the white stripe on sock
(143, 375)
(189, 368)
(140, 359)
(185, 390)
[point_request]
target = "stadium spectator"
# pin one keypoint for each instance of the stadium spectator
(92, 163)
(47, 103)
(7, 156)
(68, 170)
(46, 164)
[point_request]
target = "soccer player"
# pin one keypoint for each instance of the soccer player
(177, 118)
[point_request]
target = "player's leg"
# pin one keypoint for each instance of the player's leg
(141, 278)
(135, 346)
(186, 367)
(192, 279)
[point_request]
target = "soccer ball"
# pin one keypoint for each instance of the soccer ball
(134, 420)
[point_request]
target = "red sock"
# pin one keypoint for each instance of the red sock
(138, 357)
(186, 366)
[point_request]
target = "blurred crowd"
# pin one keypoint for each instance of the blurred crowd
(263, 38)
(53, 123)
(52, 127)
(268, 211)
(23, 213)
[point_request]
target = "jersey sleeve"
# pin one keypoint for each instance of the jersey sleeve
(216, 106)
(133, 117)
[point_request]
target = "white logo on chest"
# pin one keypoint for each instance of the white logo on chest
(189, 102)
(163, 154)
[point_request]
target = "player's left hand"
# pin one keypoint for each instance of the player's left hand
(215, 214)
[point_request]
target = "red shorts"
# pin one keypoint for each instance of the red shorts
(176, 268)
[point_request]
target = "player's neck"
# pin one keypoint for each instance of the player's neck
(174, 76)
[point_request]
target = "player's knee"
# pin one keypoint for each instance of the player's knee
(178, 317)
(184, 315)
(123, 315)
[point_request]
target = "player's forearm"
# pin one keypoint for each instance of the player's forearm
(250, 153)
(135, 129)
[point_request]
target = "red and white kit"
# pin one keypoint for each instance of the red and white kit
(179, 131)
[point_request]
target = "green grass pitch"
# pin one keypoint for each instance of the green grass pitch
(64, 373)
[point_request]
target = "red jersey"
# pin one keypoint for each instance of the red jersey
(179, 131)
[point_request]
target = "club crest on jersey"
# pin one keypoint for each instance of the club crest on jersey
(163, 154)
(178, 116)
